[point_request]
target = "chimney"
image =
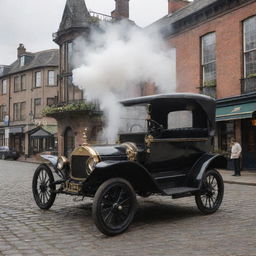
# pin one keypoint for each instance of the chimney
(122, 9)
(21, 50)
(175, 5)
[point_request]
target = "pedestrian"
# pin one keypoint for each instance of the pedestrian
(236, 150)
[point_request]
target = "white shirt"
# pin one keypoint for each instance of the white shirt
(236, 151)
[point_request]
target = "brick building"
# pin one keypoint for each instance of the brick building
(215, 43)
(27, 86)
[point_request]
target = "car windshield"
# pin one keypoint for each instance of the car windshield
(134, 119)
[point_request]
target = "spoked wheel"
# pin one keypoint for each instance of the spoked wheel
(210, 196)
(114, 206)
(43, 187)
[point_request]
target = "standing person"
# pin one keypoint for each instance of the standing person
(236, 150)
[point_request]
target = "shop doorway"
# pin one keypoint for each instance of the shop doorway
(248, 144)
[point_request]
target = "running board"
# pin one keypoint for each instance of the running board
(180, 191)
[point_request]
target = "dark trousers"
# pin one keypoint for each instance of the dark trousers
(236, 162)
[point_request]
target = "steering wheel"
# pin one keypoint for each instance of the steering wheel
(155, 129)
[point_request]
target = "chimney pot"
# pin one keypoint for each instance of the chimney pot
(175, 5)
(21, 50)
(121, 10)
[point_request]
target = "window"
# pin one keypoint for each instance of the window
(50, 101)
(38, 79)
(208, 62)
(19, 111)
(4, 87)
(23, 82)
(22, 61)
(180, 119)
(2, 112)
(51, 77)
(1, 139)
(16, 84)
(37, 108)
(250, 47)
(69, 56)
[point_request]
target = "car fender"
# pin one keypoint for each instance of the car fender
(206, 162)
(132, 171)
(52, 159)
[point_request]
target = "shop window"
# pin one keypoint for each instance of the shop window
(208, 60)
(249, 26)
(226, 132)
(1, 139)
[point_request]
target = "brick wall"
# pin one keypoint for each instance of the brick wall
(229, 48)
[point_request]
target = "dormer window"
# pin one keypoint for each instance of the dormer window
(22, 61)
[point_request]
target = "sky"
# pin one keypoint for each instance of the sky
(32, 22)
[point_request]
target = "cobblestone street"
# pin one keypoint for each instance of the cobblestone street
(162, 226)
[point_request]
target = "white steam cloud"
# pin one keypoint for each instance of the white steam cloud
(115, 61)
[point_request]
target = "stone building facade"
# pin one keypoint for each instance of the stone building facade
(27, 86)
(76, 22)
(215, 43)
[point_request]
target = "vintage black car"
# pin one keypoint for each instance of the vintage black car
(164, 148)
(6, 152)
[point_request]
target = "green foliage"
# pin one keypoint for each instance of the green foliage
(74, 107)
(251, 75)
(210, 83)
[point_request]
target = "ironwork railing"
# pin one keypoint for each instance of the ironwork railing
(101, 16)
(248, 85)
(209, 91)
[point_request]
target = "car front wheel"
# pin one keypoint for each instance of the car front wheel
(43, 187)
(114, 206)
(210, 196)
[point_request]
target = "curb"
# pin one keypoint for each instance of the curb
(240, 183)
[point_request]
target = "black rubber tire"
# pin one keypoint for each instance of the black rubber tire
(44, 197)
(216, 202)
(98, 203)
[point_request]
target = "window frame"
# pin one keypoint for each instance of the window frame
(17, 111)
(53, 78)
(4, 85)
(3, 112)
(245, 51)
(36, 114)
(16, 84)
(203, 64)
(36, 85)
(23, 86)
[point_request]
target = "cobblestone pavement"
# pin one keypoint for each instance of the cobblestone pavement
(162, 226)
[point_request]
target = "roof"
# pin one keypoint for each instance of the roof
(75, 15)
(47, 58)
(171, 96)
(162, 102)
(192, 8)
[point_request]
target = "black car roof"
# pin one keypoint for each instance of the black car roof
(207, 103)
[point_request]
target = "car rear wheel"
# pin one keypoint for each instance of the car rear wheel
(114, 206)
(210, 196)
(43, 187)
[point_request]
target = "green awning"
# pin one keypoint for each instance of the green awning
(241, 111)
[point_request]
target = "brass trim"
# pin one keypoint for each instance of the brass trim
(84, 151)
(148, 140)
(85, 137)
(131, 151)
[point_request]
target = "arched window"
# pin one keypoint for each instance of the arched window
(69, 141)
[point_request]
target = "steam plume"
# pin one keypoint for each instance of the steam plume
(115, 61)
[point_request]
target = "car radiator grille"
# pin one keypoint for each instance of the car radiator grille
(78, 166)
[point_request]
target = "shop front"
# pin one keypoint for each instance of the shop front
(236, 119)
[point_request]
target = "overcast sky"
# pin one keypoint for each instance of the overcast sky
(32, 22)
